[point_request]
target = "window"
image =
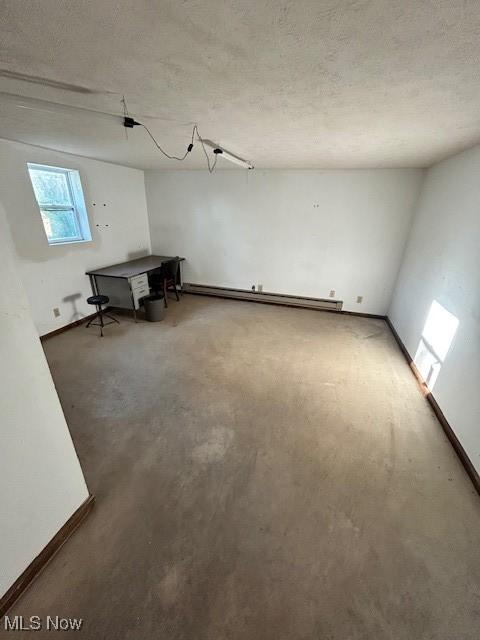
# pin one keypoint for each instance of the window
(62, 206)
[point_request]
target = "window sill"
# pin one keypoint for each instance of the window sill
(56, 244)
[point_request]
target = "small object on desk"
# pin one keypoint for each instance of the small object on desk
(127, 283)
(98, 301)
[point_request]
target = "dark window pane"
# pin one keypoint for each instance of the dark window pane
(60, 225)
(51, 188)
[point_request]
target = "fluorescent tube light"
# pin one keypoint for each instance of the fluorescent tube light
(231, 157)
(46, 82)
(36, 104)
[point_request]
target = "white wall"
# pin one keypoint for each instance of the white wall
(41, 483)
(52, 274)
(295, 232)
(442, 263)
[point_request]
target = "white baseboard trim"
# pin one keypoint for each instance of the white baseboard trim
(265, 297)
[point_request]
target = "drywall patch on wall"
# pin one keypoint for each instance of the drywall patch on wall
(297, 232)
(440, 274)
(54, 276)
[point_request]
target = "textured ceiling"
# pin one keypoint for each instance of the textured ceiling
(304, 84)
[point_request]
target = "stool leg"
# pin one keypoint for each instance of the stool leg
(94, 317)
(100, 315)
(107, 315)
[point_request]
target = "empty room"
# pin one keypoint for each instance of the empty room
(240, 319)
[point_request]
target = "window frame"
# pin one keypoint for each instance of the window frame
(77, 206)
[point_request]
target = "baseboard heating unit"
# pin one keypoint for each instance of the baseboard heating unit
(263, 296)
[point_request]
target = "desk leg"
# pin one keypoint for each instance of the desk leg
(179, 284)
(133, 307)
(93, 284)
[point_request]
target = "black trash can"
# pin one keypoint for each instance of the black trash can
(154, 308)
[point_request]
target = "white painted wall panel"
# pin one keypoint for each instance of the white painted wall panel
(53, 274)
(442, 264)
(295, 232)
(41, 482)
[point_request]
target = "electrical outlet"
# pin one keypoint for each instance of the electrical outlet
(259, 288)
(359, 299)
(56, 312)
(332, 293)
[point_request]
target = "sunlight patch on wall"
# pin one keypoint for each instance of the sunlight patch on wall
(437, 336)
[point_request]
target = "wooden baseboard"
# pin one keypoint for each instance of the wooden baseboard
(359, 314)
(71, 325)
(40, 562)
(454, 441)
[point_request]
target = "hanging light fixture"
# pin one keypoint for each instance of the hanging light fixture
(231, 157)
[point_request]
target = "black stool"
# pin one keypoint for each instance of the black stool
(98, 301)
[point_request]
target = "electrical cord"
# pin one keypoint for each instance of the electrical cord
(129, 123)
(211, 168)
(167, 155)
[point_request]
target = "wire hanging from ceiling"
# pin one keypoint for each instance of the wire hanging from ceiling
(129, 123)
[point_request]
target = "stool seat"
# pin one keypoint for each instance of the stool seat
(98, 300)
